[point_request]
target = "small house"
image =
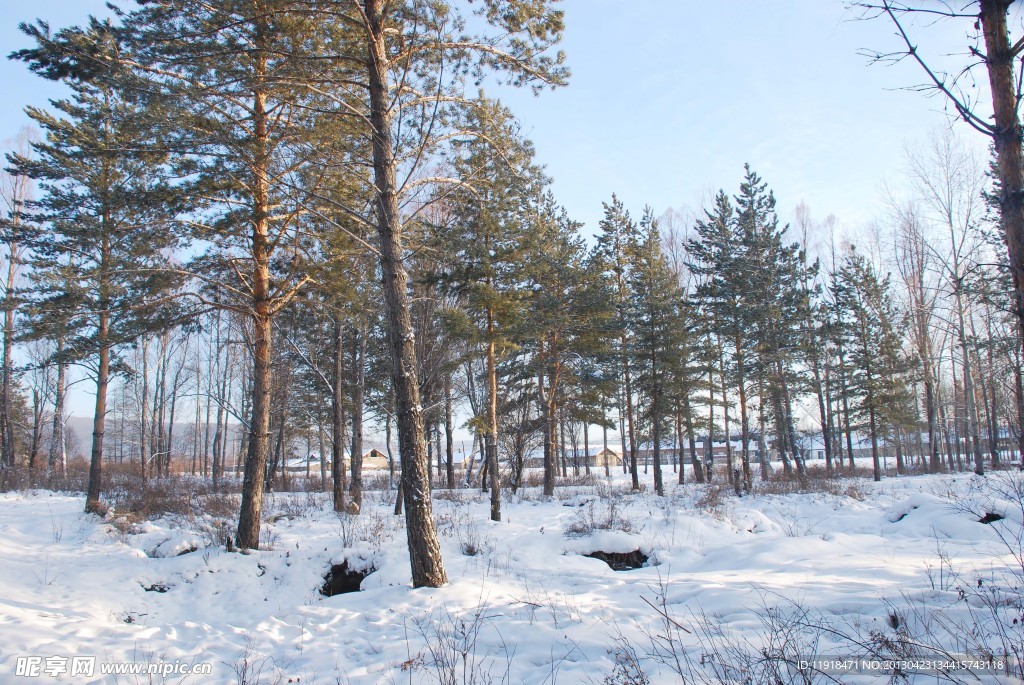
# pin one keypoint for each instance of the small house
(375, 460)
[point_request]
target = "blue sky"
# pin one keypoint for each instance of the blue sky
(669, 98)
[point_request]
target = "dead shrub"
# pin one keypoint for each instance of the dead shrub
(457, 496)
(19, 477)
(818, 479)
(591, 517)
(221, 505)
(711, 498)
(532, 478)
(181, 496)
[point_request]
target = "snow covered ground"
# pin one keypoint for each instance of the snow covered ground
(733, 588)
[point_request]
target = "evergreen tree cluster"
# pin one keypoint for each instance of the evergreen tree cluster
(287, 220)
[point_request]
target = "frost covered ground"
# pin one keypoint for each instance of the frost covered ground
(741, 589)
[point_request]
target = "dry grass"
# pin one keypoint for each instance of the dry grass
(20, 477)
(845, 483)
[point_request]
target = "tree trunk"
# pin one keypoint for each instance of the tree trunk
(255, 473)
(970, 402)
(901, 467)
(622, 439)
(449, 444)
(934, 460)
(659, 483)
(993, 431)
(999, 61)
(729, 467)
(95, 488)
(547, 399)
(338, 419)
(801, 466)
(262, 340)
(844, 395)
(159, 405)
(819, 391)
(424, 549)
(709, 453)
(1018, 394)
(391, 454)
(876, 464)
(92, 498)
(144, 428)
(175, 385)
(604, 442)
(741, 381)
(220, 427)
(561, 451)
(586, 446)
(762, 443)
(698, 472)
(37, 430)
(634, 474)
(323, 451)
(57, 462)
(492, 422)
(358, 397)
(278, 457)
(7, 455)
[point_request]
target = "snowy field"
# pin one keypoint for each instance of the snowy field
(734, 589)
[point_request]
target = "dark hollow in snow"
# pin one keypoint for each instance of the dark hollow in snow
(989, 517)
(904, 514)
(621, 561)
(341, 579)
(156, 587)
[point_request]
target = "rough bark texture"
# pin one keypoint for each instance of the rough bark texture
(1018, 393)
(1007, 137)
(424, 550)
(259, 426)
(95, 488)
(258, 450)
(92, 498)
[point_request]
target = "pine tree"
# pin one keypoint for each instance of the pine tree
(99, 256)
(615, 246)
(572, 316)
(717, 258)
(237, 85)
(485, 247)
(655, 318)
(772, 273)
(414, 46)
(872, 327)
(15, 191)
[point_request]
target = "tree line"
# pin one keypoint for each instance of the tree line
(279, 220)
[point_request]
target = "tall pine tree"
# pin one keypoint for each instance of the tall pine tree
(99, 256)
